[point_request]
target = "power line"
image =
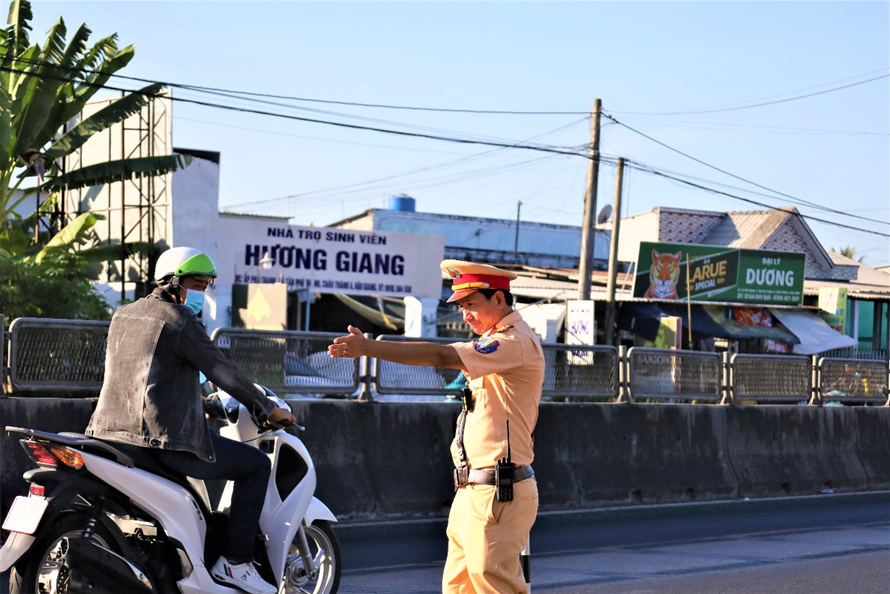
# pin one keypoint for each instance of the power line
(539, 148)
(748, 200)
(756, 104)
(363, 186)
(215, 90)
(688, 156)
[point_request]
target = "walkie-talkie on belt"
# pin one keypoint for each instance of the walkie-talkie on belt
(503, 473)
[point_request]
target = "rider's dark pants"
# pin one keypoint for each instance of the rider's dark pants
(249, 468)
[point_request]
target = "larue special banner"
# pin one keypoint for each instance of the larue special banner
(329, 260)
(718, 273)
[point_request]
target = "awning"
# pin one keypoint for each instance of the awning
(739, 331)
(643, 319)
(707, 320)
(815, 335)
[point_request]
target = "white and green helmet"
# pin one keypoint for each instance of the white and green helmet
(183, 261)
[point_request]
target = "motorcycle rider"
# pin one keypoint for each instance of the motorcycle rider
(151, 398)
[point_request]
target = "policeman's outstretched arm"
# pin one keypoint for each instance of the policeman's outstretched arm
(428, 354)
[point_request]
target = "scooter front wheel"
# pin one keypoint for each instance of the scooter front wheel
(325, 552)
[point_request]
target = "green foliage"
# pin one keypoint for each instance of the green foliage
(55, 287)
(848, 251)
(41, 89)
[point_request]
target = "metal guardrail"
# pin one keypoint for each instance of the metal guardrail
(671, 375)
(576, 371)
(852, 380)
(63, 355)
(771, 378)
(289, 362)
(69, 356)
(395, 378)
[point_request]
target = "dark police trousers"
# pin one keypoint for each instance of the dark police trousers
(249, 468)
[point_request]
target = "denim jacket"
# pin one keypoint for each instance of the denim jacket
(151, 396)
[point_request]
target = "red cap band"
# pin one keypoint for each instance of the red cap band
(480, 281)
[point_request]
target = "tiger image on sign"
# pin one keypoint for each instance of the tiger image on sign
(663, 276)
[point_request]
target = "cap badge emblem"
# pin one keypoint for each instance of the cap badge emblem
(453, 272)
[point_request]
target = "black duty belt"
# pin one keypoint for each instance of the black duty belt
(485, 476)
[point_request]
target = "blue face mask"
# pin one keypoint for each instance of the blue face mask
(194, 301)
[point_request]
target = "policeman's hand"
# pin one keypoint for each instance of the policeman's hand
(281, 417)
(353, 345)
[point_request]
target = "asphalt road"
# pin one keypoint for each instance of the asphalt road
(820, 544)
(823, 544)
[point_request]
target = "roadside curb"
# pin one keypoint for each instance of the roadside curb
(643, 511)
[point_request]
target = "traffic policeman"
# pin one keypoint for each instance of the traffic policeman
(496, 498)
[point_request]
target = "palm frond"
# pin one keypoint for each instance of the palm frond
(115, 171)
(106, 117)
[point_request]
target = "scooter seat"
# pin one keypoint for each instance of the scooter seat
(143, 460)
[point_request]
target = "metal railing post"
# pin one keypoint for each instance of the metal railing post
(3, 364)
(816, 394)
(727, 380)
(623, 380)
(365, 375)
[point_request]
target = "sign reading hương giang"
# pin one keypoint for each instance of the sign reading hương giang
(718, 273)
(329, 260)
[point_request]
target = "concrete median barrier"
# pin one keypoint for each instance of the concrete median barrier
(796, 450)
(391, 460)
(590, 455)
(873, 444)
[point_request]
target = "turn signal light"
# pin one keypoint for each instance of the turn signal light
(68, 457)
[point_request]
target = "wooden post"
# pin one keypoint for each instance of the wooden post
(588, 231)
(613, 252)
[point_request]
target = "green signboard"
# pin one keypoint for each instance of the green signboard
(718, 274)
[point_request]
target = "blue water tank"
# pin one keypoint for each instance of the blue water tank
(402, 202)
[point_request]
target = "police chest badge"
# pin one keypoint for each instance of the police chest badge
(486, 345)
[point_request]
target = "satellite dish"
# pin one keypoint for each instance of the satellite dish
(604, 214)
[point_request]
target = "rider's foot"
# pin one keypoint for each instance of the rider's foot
(242, 575)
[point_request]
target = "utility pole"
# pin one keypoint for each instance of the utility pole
(613, 252)
(588, 231)
(516, 243)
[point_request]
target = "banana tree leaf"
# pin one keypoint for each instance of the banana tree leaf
(101, 51)
(114, 171)
(19, 19)
(5, 128)
(65, 110)
(115, 251)
(106, 117)
(54, 47)
(72, 234)
(38, 107)
(76, 47)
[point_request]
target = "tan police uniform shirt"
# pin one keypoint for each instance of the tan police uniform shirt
(505, 368)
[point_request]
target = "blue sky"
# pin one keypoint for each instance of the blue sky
(826, 151)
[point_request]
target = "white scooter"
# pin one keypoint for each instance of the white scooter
(102, 517)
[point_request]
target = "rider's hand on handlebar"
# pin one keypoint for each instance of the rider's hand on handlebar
(281, 418)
